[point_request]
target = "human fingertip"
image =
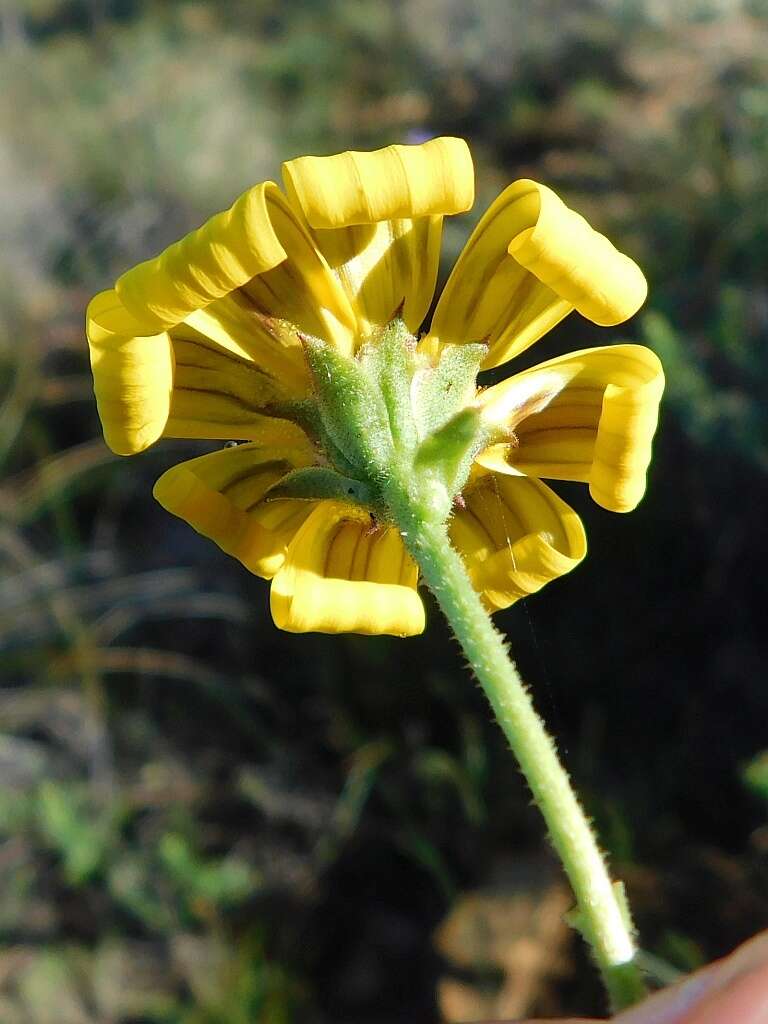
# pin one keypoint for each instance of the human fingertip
(742, 1000)
(676, 1004)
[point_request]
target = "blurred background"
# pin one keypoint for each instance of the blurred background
(205, 821)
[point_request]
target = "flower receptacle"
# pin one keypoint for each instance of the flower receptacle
(392, 421)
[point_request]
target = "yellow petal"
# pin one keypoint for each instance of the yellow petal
(217, 393)
(377, 219)
(233, 325)
(302, 290)
(220, 496)
(435, 178)
(560, 248)
(528, 263)
(226, 252)
(235, 358)
(342, 575)
(181, 383)
(259, 246)
(386, 269)
(515, 535)
(132, 375)
(589, 416)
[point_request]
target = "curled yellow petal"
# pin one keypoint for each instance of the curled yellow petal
(182, 382)
(226, 252)
(560, 248)
(515, 535)
(377, 219)
(218, 393)
(220, 496)
(342, 574)
(132, 375)
(490, 297)
(302, 290)
(434, 178)
(386, 269)
(529, 262)
(233, 326)
(588, 416)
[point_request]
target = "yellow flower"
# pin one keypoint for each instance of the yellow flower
(207, 341)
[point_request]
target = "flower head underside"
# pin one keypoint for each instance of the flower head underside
(290, 323)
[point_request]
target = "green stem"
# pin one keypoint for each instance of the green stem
(602, 917)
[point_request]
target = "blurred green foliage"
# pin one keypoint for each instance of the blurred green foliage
(202, 821)
(756, 774)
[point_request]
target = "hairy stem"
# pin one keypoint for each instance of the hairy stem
(602, 918)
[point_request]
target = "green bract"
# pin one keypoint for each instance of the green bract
(392, 411)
